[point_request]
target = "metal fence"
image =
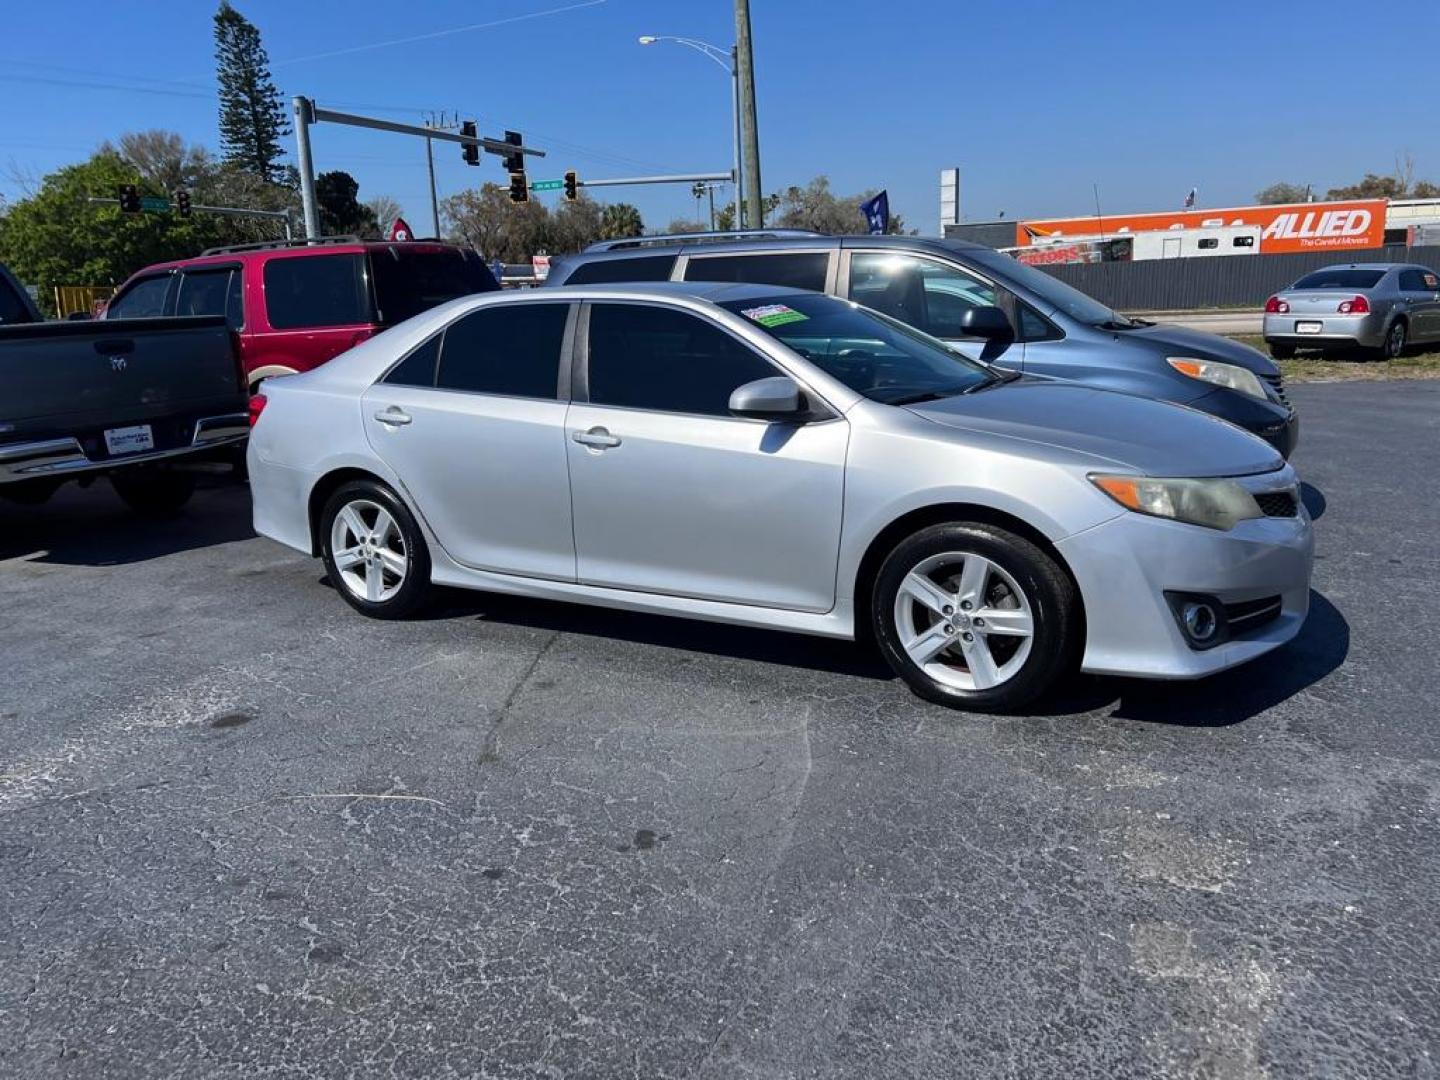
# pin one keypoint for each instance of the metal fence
(1236, 281)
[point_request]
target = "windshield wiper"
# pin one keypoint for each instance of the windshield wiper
(1116, 324)
(928, 395)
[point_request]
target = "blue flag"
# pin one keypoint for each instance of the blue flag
(877, 214)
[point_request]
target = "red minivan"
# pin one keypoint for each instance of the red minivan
(294, 305)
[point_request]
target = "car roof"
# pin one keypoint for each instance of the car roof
(713, 291)
(704, 245)
(245, 252)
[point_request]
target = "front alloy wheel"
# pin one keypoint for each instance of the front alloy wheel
(975, 617)
(373, 551)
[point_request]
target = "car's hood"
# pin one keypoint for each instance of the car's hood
(1151, 437)
(1178, 341)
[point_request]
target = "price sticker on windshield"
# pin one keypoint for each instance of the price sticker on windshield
(772, 315)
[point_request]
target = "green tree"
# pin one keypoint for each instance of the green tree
(620, 220)
(1283, 192)
(252, 112)
(816, 207)
(486, 220)
(1371, 187)
(55, 237)
(341, 213)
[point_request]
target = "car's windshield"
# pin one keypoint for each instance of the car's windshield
(871, 353)
(408, 281)
(1052, 291)
(1339, 277)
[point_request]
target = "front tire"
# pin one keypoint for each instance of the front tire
(374, 551)
(974, 617)
(152, 491)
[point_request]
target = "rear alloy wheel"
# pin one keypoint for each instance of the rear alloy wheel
(1395, 340)
(974, 617)
(374, 551)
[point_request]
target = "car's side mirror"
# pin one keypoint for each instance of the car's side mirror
(986, 322)
(776, 398)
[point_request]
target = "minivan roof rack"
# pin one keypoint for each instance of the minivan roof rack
(264, 245)
(699, 238)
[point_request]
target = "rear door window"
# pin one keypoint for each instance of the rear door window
(316, 290)
(639, 268)
(143, 300)
(408, 282)
(1412, 281)
(418, 367)
(510, 349)
(796, 270)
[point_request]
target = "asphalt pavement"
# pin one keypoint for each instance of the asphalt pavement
(245, 832)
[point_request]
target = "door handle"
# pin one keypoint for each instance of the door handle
(597, 438)
(393, 416)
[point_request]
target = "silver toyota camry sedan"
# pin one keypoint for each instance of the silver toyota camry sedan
(785, 459)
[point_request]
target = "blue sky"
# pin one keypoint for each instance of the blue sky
(1035, 102)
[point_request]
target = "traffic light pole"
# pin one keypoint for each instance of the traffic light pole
(308, 113)
(684, 178)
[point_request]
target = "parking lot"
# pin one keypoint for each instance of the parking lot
(245, 832)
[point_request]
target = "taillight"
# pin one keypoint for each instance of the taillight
(1276, 306)
(1356, 305)
(257, 406)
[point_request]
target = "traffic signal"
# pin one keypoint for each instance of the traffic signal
(470, 151)
(572, 186)
(129, 199)
(519, 188)
(514, 161)
(182, 202)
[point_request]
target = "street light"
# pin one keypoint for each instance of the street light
(726, 59)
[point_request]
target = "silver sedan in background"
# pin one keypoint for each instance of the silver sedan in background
(1385, 307)
(785, 459)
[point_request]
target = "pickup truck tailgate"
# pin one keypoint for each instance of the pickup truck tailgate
(60, 377)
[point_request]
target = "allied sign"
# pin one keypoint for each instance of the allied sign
(1314, 226)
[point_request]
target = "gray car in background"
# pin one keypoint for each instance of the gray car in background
(1385, 307)
(983, 303)
(777, 458)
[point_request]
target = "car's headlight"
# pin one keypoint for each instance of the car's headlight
(1216, 504)
(1231, 376)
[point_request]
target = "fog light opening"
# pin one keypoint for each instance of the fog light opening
(1201, 622)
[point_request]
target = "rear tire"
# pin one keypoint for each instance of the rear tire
(374, 551)
(153, 492)
(1396, 338)
(974, 617)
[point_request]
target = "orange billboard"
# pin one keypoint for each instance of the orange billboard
(1312, 226)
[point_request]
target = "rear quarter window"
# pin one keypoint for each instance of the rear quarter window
(316, 290)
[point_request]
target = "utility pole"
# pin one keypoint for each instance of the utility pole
(745, 76)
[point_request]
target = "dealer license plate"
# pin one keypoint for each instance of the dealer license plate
(129, 440)
(1309, 327)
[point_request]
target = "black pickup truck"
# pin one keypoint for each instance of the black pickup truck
(135, 400)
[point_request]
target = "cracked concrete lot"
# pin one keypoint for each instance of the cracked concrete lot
(245, 832)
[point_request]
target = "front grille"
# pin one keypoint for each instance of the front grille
(1277, 383)
(1277, 503)
(1250, 615)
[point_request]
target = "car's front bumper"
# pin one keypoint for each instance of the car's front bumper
(1126, 565)
(1366, 330)
(1275, 422)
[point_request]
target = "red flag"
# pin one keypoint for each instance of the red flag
(400, 231)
